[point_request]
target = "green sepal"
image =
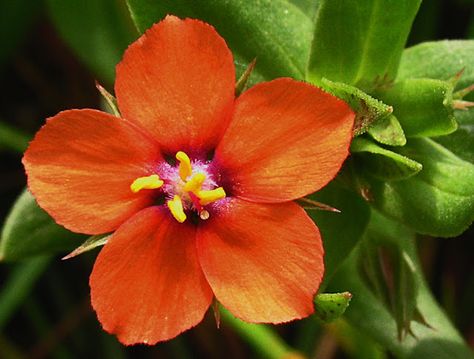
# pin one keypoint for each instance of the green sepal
(331, 306)
(29, 231)
(424, 107)
(368, 110)
(382, 163)
(438, 201)
(108, 100)
(243, 81)
(388, 131)
(360, 42)
(90, 243)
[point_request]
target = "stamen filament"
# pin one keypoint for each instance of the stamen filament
(175, 206)
(147, 182)
(185, 168)
(207, 197)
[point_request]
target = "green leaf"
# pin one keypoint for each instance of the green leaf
(461, 142)
(382, 163)
(331, 306)
(440, 60)
(360, 42)
(308, 7)
(388, 131)
(275, 32)
(97, 31)
(438, 201)
(424, 107)
(340, 231)
(391, 274)
(368, 110)
(369, 314)
(30, 231)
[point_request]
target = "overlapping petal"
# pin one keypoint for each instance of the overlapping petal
(177, 82)
(264, 262)
(80, 166)
(147, 285)
(286, 139)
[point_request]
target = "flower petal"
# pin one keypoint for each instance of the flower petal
(80, 166)
(286, 139)
(147, 285)
(264, 262)
(177, 82)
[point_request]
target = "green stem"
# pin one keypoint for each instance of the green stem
(13, 139)
(260, 337)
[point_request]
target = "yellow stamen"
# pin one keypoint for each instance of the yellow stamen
(185, 168)
(147, 182)
(176, 208)
(207, 197)
(195, 183)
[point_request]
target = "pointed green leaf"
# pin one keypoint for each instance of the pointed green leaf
(97, 31)
(391, 275)
(382, 163)
(366, 312)
(424, 107)
(331, 306)
(438, 201)
(440, 60)
(388, 131)
(29, 231)
(368, 110)
(360, 42)
(275, 32)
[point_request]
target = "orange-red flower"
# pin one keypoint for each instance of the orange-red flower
(198, 186)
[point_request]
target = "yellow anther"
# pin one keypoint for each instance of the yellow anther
(148, 182)
(206, 197)
(185, 168)
(195, 183)
(175, 206)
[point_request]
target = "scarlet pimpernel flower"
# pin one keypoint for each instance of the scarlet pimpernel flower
(196, 184)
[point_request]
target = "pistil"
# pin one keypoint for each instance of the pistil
(188, 190)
